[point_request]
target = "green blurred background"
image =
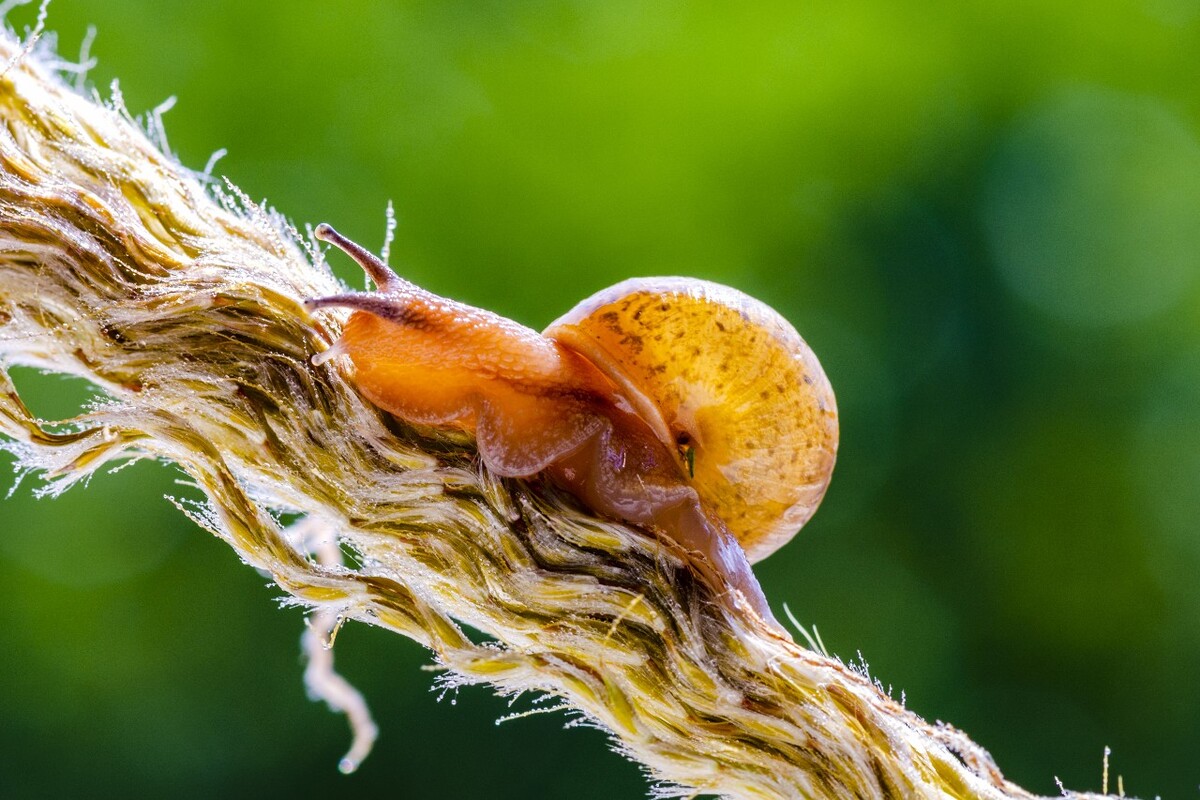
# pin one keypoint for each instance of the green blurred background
(983, 217)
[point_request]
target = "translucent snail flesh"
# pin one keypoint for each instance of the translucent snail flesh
(677, 405)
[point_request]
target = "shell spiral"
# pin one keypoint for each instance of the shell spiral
(726, 381)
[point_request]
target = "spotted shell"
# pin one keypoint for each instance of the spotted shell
(729, 383)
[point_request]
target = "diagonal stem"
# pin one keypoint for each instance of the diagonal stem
(185, 304)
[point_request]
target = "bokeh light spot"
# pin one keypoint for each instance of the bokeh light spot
(1090, 208)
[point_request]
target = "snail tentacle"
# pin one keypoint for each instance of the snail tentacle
(383, 275)
(393, 308)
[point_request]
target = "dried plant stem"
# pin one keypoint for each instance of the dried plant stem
(183, 302)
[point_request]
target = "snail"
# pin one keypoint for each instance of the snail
(677, 405)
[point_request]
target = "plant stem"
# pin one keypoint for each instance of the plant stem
(183, 301)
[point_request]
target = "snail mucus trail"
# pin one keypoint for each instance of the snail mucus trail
(679, 406)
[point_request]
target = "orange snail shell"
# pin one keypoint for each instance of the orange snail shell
(713, 369)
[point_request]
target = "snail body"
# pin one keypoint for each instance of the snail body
(680, 406)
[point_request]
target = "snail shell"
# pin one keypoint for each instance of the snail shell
(716, 372)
